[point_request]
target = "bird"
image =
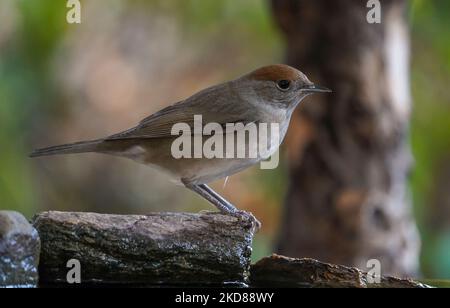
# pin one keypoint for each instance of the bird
(268, 94)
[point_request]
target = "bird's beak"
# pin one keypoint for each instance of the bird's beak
(316, 89)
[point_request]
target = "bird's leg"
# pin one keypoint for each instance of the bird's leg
(218, 201)
(232, 209)
(225, 208)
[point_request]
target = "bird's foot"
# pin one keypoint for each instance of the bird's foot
(248, 217)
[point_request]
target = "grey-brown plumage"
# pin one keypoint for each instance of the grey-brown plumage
(266, 95)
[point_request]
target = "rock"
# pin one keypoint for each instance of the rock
(155, 249)
(19, 251)
(280, 271)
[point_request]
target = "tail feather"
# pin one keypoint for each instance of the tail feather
(71, 148)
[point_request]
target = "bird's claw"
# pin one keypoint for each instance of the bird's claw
(247, 216)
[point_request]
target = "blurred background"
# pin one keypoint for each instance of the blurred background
(63, 82)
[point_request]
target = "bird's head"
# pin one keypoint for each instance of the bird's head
(280, 85)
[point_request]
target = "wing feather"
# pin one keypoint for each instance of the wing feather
(210, 103)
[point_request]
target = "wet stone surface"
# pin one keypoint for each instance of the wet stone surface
(154, 249)
(280, 272)
(19, 251)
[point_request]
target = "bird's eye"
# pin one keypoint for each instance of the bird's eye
(283, 85)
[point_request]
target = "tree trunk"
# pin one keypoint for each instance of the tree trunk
(349, 156)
